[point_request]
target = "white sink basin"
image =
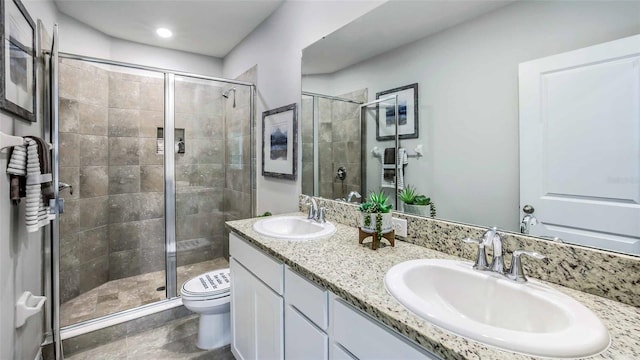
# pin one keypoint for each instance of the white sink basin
(293, 228)
(529, 318)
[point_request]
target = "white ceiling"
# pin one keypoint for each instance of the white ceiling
(208, 27)
(387, 27)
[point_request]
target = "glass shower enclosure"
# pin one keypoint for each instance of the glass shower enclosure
(151, 163)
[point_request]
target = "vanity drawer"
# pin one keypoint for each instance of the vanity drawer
(365, 338)
(261, 265)
(309, 299)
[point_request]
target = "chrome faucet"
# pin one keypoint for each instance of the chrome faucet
(352, 194)
(491, 238)
(497, 261)
(315, 213)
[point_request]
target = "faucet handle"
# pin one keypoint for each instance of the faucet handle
(516, 271)
(311, 214)
(481, 258)
(320, 217)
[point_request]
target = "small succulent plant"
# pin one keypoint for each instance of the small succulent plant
(376, 203)
(409, 195)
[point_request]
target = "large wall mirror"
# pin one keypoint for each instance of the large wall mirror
(462, 59)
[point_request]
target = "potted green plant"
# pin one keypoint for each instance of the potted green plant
(415, 203)
(375, 214)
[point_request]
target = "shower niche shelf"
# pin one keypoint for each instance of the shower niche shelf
(179, 140)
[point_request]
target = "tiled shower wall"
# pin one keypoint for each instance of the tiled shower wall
(113, 226)
(339, 144)
(84, 149)
(199, 171)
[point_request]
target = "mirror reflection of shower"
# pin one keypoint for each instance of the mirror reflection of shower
(226, 95)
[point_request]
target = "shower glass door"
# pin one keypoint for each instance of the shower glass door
(331, 144)
(211, 143)
(157, 162)
(378, 170)
(112, 237)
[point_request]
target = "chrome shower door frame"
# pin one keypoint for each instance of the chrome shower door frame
(172, 299)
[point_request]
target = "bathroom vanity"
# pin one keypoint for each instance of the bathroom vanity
(326, 299)
(277, 313)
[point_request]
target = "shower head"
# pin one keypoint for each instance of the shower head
(228, 91)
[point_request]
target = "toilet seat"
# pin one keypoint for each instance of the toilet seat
(211, 285)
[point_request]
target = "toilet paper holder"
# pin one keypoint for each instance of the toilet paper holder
(27, 306)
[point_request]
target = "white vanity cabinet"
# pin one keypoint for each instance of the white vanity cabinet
(358, 336)
(306, 319)
(257, 306)
(277, 313)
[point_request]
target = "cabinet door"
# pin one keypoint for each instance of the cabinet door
(366, 339)
(269, 322)
(242, 312)
(256, 317)
(339, 353)
(303, 340)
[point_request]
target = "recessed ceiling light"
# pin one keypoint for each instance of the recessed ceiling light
(164, 33)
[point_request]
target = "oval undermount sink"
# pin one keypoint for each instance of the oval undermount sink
(293, 228)
(529, 318)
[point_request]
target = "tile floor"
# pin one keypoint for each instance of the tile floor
(174, 340)
(123, 294)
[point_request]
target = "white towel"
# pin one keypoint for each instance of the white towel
(25, 161)
(401, 161)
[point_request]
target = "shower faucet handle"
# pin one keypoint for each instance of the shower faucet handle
(62, 186)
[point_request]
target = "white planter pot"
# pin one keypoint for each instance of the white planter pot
(386, 222)
(422, 210)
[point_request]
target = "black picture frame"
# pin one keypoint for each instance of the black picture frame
(280, 147)
(18, 79)
(408, 109)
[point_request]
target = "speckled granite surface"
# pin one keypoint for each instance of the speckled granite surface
(602, 273)
(356, 274)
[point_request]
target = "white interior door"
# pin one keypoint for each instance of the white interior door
(580, 145)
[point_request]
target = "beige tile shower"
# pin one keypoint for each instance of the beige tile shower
(112, 148)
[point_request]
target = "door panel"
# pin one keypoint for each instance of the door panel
(580, 145)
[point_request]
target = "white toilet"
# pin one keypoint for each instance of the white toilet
(208, 295)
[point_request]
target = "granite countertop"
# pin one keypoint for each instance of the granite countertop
(356, 274)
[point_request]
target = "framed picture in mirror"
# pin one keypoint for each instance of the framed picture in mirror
(17, 77)
(279, 142)
(407, 113)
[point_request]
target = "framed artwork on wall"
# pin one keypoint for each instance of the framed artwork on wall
(18, 75)
(280, 142)
(407, 113)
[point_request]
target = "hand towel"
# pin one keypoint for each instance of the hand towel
(389, 159)
(395, 167)
(45, 168)
(25, 168)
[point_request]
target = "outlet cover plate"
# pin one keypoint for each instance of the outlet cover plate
(400, 226)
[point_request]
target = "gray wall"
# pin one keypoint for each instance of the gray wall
(468, 85)
(275, 46)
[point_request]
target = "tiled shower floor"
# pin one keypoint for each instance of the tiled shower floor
(123, 294)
